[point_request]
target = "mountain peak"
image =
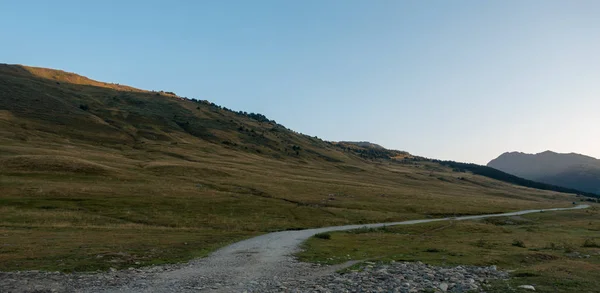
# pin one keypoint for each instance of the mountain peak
(564, 169)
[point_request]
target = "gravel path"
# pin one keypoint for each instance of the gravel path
(264, 264)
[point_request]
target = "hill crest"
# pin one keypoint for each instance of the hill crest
(59, 76)
(111, 113)
(570, 170)
(53, 108)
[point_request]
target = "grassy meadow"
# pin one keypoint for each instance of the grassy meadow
(554, 251)
(96, 175)
(64, 208)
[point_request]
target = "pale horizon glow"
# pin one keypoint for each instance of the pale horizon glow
(455, 80)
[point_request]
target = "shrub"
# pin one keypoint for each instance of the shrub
(568, 247)
(591, 243)
(482, 243)
(552, 246)
(525, 275)
(518, 243)
(323, 235)
(363, 230)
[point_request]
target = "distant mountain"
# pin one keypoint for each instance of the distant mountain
(568, 170)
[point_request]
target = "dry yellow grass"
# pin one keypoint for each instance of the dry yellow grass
(222, 194)
(80, 181)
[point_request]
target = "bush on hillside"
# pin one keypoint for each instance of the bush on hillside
(323, 235)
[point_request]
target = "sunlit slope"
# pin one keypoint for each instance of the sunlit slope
(92, 168)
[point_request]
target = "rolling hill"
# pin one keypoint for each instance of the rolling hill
(96, 175)
(569, 170)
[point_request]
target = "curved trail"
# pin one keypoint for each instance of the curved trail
(233, 268)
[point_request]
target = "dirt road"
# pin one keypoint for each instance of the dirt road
(235, 268)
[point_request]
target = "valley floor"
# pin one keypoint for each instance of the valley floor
(554, 252)
(266, 264)
(81, 207)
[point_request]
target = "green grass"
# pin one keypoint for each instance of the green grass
(325, 236)
(555, 251)
(229, 198)
(98, 248)
(75, 184)
(225, 198)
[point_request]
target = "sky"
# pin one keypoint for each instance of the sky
(462, 80)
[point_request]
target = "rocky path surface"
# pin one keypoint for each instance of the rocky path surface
(404, 277)
(266, 264)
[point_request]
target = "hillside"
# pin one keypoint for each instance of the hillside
(96, 175)
(569, 170)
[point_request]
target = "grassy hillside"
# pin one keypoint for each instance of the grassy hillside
(505, 177)
(581, 177)
(96, 175)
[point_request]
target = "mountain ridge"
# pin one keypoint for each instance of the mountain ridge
(570, 170)
(76, 107)
(116, 169)
(259, 134)
(59, 75)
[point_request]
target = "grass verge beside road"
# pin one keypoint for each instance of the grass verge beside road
(554, 251)
(64, 209)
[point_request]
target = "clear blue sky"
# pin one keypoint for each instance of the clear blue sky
(460, 80)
